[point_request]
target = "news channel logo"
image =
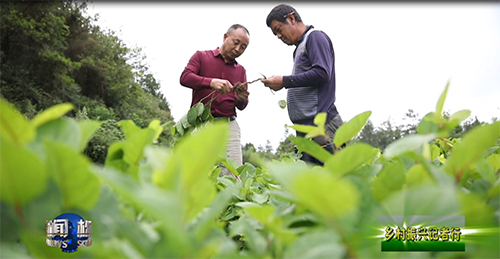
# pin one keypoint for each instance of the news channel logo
(69, 232)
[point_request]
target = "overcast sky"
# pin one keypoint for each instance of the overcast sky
(389, 57)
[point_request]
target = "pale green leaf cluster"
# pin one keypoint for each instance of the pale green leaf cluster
(152, 202)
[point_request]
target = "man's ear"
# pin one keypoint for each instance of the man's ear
(225, 37)
(292, 18)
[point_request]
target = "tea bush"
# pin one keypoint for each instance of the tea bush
(148, 201)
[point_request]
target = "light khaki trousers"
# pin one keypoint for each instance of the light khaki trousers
(233, 147)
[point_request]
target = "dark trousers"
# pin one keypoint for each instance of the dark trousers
(330, 129)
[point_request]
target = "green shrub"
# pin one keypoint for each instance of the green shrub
(150, 201)
(107, 134)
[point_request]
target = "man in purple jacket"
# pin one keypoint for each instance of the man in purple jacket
(311, 86)
(214, 73)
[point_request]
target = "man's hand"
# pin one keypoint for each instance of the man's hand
(274, 82)
(241, 94)
(221, 85)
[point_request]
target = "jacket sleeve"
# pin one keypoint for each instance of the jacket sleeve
(242, 105)
(321, 57)
(190, 76)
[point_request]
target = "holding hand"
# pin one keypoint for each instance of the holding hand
(273, 82)
(221, 85)
(240, 92)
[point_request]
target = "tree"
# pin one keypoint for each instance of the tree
(51, 52)
(286, 147)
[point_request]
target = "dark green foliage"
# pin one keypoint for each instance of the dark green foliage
(51, 52)
(108, 134)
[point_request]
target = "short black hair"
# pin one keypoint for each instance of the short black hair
(280, 12)
(237, 26)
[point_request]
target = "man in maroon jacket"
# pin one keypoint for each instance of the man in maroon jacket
(214, 73)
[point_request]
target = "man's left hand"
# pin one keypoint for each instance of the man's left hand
(274, 82)
(241, 94)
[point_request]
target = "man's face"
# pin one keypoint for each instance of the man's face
(283, 31)
(235, 43)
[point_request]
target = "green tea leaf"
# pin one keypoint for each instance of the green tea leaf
(460, 116)
(14, 250)
(442, 98)
(481, 187)
(51, 113)
(184, 122)
(350, 129)
(472, 147)
(310, 188)
(418, 175)
(156, 157)
(284, 173)
(157, 204)
(207, 221)
(46, 206)
(494, 161)
(10, 223)
(23, 176)
(262, 213)
(318, 132)
(192, 115)
(282, 104)
(320, 119)
(313, 131)
(155, 125)
(206, 114)
(14, 126)
(247, 171)
(478, 213)
(260, 198)
(408, 143)
(87, 129)
(179, 128)
(199, 109)
(350, 158)
(388, 181)
(190, 162)
(254, 239)
(486, 170)
(114, 158)
(266, 215)
(424, 200)
(318, 244)
(128, 127)
(303, 128)
(442, 179)
(39, 250)
(206, 145)
(229, 166)
(435, 151)
(495, 190)
(198, 196)
(133, 148)
(73, 174)
(62, 130)
(311, 147)
(427, 125)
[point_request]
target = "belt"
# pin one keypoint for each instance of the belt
(231, 118)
